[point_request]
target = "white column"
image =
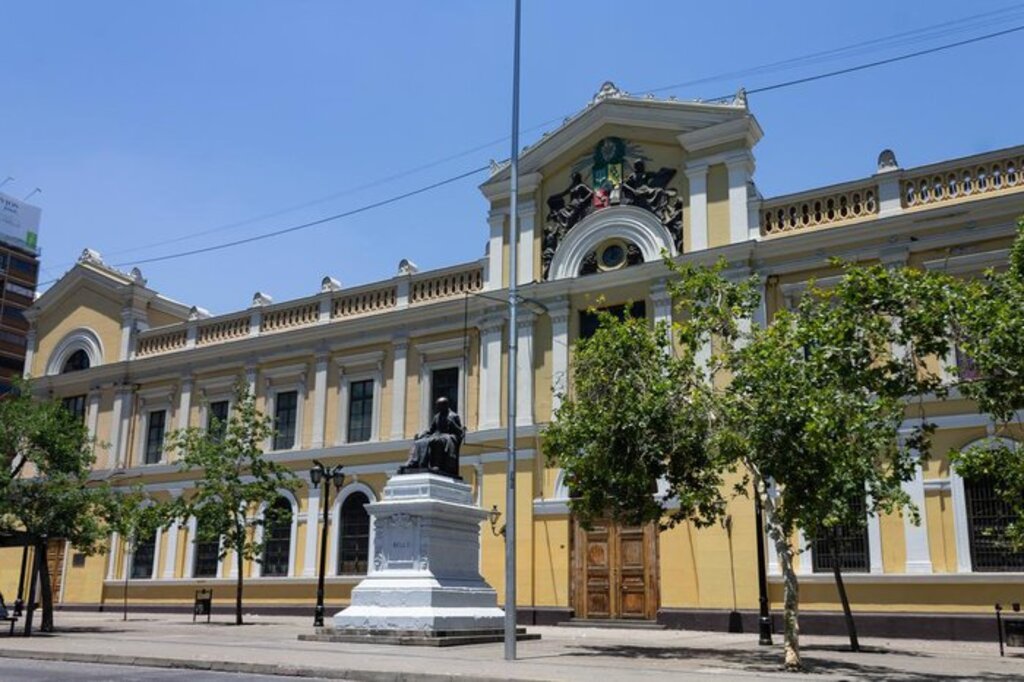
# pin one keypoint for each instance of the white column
(740, 168)
(127, 334)
(919, 559)
(490, 372)
(875, 544)
(559, 313)
(697, 176)
(524, 369)
(496, 220)
(527, 211)
(30, 351)
(122, 401)
(313, 513)
(111, 563)
(171, 555)
(185, 402)
(398, 380)
(319, 400)
(92, 414)
(250, 378)
(806, 557)
(662, 302)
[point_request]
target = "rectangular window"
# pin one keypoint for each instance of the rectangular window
(589, 321)
(360, 411)
(23, 266)
(142, 560)
(987, 518)
(205, 562)
(445, 383)
(851, 545)
(76, 406)
(217, 418)
(285, 412)
(155, 436)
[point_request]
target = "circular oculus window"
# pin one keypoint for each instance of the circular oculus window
(612, 256)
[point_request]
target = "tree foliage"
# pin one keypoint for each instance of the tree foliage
(991, 334)
(235, 482)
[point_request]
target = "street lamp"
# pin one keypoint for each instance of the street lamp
(764, 621)
(317, 474)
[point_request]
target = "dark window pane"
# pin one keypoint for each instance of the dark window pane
(445, 382)
(360, 411)
(355, 535)
(142, 561)
(217, 418)
(79, 360)
(204, 563)
(851, 544)
(155, 436)
(23, 266)
(277, 539)
(589, 321)
(987, 518)
(285, 408)
(76, 406)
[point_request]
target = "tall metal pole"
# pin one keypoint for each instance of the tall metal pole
(513, 276)
(764, 620)
(318, 614)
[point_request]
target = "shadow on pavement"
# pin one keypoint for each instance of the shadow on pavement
(770, 661)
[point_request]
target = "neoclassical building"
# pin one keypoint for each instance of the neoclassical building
(349, 375)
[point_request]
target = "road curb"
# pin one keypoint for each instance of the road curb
(251, 668)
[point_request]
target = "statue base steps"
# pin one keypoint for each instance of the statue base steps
(434, 638)
(424, 584)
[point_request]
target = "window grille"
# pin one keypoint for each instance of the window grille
(987, 518)
(360, 411)
(277, 539)
(285, 412)
(355, 535)
(851, 545)
(142, 560)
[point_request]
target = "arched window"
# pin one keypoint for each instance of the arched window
(277, 538)
(354, 535)
(78, 361)
(987, 518)
(142, 559)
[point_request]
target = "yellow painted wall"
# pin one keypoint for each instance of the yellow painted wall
(84, 308)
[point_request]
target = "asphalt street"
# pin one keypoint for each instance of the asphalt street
(22, 670)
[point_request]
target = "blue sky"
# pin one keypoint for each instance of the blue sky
(143, 121)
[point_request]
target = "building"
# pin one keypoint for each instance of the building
(19, 274)
(350, 374)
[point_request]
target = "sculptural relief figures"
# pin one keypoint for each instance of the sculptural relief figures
(437, 449)
(648, 190)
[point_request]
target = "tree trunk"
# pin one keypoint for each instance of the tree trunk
(45, 590)
(791, 588)
(851, 627)
(238, 587)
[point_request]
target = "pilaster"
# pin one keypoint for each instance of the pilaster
(662, 303)
(313, 513)
(527, 212)
(30, 350)
(697, 177)
(558, 310)
(400, 352)
(490, 372)
(919, 559)
(495, 262)
(185, 402)
(524, 368)
(740, 168)
(319, 400)
(171, 555)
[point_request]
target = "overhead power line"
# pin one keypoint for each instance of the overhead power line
(460, 176)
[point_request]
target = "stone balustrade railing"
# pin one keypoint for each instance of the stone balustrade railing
(963, 179)
(798, 212)
(221, 330)
(400, 292)
(364, 302)
(158, 341)
(446, 285)
(288, 318)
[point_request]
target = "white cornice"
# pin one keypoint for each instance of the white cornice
(528, 183)
(745, 130)
(355, 360)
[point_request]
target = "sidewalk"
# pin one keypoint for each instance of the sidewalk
(269, 645)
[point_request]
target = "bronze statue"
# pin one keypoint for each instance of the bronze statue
(437, 449)
(648, 190)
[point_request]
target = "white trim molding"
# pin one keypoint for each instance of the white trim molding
(257, 566)
(84, 339)
(339, 500)
(368, 367)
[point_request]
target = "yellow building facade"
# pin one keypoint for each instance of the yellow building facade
(350, 375)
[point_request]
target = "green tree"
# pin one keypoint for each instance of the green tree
(235, 481)
(45, 485)
(136, 516)
(990, 332)
(636, 415)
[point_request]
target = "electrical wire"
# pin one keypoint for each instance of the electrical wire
(460, 176)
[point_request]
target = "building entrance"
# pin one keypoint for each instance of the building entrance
(615, 571)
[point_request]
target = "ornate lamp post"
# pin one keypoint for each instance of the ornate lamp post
(326, 474)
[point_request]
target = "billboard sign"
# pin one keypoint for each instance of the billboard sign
(19, 222)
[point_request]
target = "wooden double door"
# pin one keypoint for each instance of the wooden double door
(615, 571)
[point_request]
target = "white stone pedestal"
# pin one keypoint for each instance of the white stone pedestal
(424, 575)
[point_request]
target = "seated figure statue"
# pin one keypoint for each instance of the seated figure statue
(437, 449)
